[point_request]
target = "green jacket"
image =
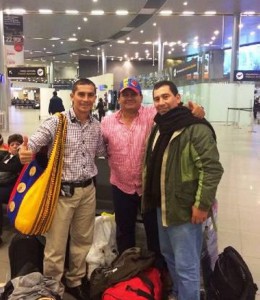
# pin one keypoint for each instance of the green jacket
(190, 173)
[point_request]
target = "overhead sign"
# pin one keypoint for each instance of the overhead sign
(13, 38)
(26, 72)
(247, 75)
(185, 68)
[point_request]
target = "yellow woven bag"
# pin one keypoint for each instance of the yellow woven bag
(34, 198)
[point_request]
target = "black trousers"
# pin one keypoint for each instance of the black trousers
(5, 192)
(126, 208)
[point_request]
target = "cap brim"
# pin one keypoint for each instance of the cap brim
(130, 88)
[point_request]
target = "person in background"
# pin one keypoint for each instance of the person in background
(55, 104)
(3, 146)
(125, 133)
(101, 109)
(256, 107)
(76, 208)
(10, 168)
(180, 178)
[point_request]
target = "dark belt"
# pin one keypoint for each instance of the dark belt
(83, 183)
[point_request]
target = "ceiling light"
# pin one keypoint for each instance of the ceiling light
(45, 11)
(258, 27)
(210, 12)
(188, 13)
(141, 31)
(54, 39)
(252, 33)
(88, 40)
(120, 41)
(85, 19)
(71, 12)
(134, 42)
(248, 13)
(72, 39)
(147, 43)
(97, 12)
(121, 12)
(216, 32)
(79, 28)
(154, 24)
(38, 38)
(15, 11)
(165, 12)
(185, 3)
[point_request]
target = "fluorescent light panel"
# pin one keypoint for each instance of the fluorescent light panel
(45, 11)
(97, 12)
(122, 12)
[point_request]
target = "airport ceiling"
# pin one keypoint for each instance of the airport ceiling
(130, 29)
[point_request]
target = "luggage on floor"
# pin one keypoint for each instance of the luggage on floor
(127, 265)
(26, 254)
(33, 286)
(209, 253)
(103, 250)
(232, 279)
(146, 285)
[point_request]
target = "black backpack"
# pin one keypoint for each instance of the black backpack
(231, 278)
(127, 265)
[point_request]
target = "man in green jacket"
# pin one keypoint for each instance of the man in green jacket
(181, 175)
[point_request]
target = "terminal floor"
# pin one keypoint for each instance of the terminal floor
(238, 193)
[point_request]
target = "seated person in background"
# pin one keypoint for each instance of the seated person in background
(10, 167)
(3, 146)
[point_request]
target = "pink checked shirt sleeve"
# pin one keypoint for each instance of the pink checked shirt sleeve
(126, 147)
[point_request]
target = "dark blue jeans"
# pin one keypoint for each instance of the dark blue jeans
(126, 208)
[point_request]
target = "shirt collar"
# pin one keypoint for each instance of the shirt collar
(73, 116)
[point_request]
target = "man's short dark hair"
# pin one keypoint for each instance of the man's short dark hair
(83, 81)
(170, 84)
(15, 138)
(54, 93)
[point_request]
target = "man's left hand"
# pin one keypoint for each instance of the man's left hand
(198, 215)
(197, 110)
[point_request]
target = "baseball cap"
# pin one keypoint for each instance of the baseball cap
(130, 83)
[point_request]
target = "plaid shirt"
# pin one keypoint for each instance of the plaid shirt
(126, 147)
(83, 143)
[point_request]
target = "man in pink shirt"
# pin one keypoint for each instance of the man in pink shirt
(125, 133)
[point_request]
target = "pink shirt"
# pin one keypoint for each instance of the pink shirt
(126, 147)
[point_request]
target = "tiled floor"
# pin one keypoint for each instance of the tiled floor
(238, 193)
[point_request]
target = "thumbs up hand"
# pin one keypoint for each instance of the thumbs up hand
(25, 155)
(197, 110)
